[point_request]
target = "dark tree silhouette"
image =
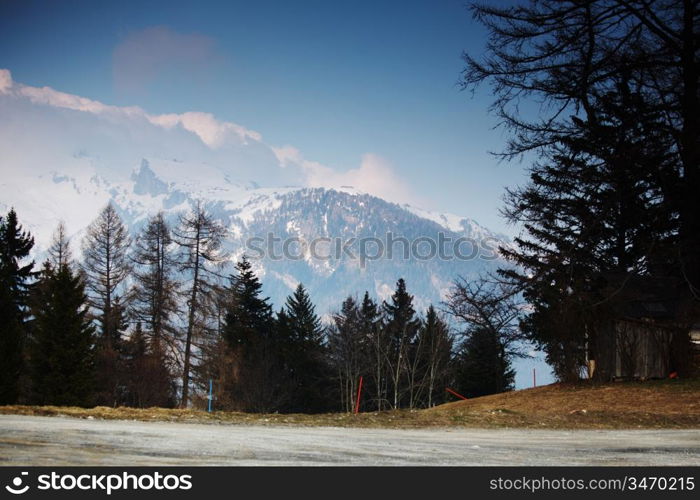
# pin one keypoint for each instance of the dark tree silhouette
(63, 338)
(249, 330)
(15, 280)
(435, 341)
(347, 351)
(402, 329)
(613, 192)
(306, 355)
(482, 367)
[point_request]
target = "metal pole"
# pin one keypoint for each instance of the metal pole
(211, 393)
(534, 377)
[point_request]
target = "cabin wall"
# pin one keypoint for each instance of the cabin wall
(604, 353)
(643, 350)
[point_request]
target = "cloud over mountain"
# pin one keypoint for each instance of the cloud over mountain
(132, 132)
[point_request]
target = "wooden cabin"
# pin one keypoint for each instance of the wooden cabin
(645, 336)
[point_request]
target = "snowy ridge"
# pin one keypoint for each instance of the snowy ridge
(77, 195)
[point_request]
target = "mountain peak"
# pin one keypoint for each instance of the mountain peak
(146, 181)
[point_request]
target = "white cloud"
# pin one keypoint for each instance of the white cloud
(211, 131)
(5, 81)
(288, 155)
(375, 175)
(51, 97)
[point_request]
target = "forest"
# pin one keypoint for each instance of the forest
(153, 320)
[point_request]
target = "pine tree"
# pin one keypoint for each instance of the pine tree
(435, 354)
(62, 347)
(593, 212)
(491, 311)
(305, 324)
(199, 238)
(111, 372)
(378, 347)
(148, 382)
(617, 138)
(346, 349)
(249, 331)
(282, 350)
(15, 280)
(566, 55)
(306, 355)
(402, 328)
(482, 366)
(250, 314)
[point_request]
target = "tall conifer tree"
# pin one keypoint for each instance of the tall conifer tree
(307, 356)
(15, 280)
(62, 347)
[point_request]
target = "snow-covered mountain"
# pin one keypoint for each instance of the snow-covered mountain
(352, 231)
(64, 157)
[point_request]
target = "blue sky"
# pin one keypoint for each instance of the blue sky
(337, 80)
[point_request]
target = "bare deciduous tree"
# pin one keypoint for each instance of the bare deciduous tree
(106, 268)
(487, 303)
(155, 288)
(199, 237)
(59, 252)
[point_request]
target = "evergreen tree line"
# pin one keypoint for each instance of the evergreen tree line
(150, 321)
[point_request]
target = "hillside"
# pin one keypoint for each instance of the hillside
(671, 404)
(657, 404)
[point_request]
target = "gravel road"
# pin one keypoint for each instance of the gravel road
(56, 441)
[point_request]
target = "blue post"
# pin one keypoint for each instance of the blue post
(211, 393)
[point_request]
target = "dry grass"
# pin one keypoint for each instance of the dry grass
(658, 404)
(653, 404)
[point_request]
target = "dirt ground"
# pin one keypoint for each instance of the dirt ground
(57, 441)
(666, 404)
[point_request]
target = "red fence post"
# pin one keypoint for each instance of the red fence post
(359, 395)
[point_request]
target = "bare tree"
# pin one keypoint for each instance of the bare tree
(435, 350)
(155, 288)
(106, 268)
(59, 252)
(492, 305)
(199, 237)
(379, 347)
(402, 329)
(154, 307)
